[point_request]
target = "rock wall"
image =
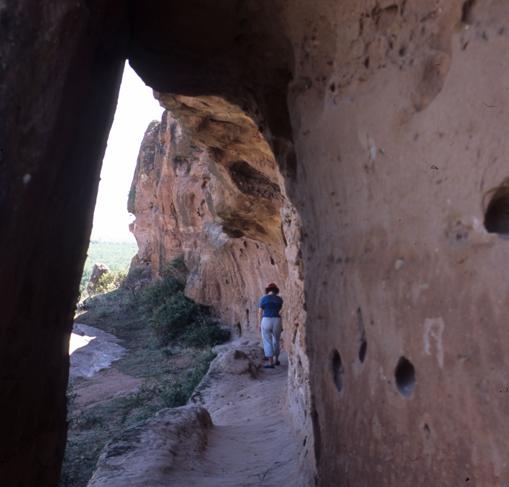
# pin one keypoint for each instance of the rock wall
(60, 68)
(399, 114)
(206, 188)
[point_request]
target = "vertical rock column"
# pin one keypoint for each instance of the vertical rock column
(60, 70)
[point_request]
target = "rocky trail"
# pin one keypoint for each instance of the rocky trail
(246, 441)
(251, 443)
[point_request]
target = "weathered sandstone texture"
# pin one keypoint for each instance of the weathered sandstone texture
(400, 132)
(206, 188)
(387, 121)
(146, 455)
(398, 113)
(92, 350)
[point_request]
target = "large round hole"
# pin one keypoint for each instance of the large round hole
(337, 370)
(405, 377)
(496, 217)
(363, 350)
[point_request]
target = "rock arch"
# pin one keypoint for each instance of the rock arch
(384, 153)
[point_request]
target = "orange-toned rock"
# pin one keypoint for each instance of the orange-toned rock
(207, 188)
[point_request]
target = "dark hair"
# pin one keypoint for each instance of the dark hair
(274, 289)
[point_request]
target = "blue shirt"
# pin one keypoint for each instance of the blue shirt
(271, 305)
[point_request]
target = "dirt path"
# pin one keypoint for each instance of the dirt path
(251, 443)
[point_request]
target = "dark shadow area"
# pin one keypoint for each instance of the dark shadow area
(496, 218)
(337, 370)
(405, 377)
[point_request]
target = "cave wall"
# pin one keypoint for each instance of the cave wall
(60, 68)
(399, 112)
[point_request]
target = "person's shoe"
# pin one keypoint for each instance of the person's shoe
(278, 362)
(268, 367)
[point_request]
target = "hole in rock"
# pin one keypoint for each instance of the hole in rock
(405, 377)
(496, 217)
(238, 329)
(466, 11)
(337, 370)
(363, 347)
(252, 182)
(363, 350)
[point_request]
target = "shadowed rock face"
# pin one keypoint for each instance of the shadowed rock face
(60, 68)
(387, 121)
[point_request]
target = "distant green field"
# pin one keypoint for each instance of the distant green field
(116, 255)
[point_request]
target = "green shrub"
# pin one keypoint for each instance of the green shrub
(159, 292)
(87, 420)
(205, 333)
(171, 318)
(175, 395)
(180, 319)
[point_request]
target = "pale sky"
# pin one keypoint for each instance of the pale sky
(135, 110)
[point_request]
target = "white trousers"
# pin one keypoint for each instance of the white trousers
(271, 334)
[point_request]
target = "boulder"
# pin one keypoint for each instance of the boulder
(98, 271)
(146, 454)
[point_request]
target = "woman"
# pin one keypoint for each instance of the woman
(269, 313)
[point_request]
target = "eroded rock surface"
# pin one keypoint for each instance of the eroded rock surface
(146, 455)
(92, 350)
(207, 188)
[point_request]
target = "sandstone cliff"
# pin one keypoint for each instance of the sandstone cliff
(207, 188)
